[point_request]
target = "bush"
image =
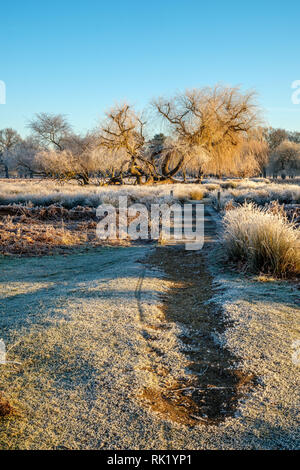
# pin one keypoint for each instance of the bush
(264, 240)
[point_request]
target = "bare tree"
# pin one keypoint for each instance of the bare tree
(52, 130)
(65, 155)
(294, 137)
(9, 138)
(79, 161)
(122, 136)
(24, 157)
(274, 137)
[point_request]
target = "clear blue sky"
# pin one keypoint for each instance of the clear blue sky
(80, 57)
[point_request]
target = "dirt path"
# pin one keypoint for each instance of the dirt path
(211, 385)
(100, 333)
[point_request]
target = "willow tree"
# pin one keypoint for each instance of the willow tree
(212, 123)
(255, 153)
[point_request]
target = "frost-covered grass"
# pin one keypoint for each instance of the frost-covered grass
(259, 192)
(45, 192)
(69, 195)
(28, 236)
(74, 324)
(265, 240)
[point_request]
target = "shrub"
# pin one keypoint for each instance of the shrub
(263, 239)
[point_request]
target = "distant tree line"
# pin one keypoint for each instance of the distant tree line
(210, 131)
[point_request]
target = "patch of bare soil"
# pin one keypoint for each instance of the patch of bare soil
(214, 385)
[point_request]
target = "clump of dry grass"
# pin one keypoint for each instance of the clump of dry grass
(6, 409)
(263, 239)
(197, 194)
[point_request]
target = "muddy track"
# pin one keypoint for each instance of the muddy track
(212, 384)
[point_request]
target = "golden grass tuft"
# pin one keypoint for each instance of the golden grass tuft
(263, 239)
(197, 194)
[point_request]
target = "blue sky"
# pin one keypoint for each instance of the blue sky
(79, 58)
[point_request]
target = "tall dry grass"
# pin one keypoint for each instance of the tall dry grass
(263, 239)
(27, 236)
(197, 194)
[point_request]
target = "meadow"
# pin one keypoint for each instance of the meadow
(45, 192)
(94, 326)
(40, 215)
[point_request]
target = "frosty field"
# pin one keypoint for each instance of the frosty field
(148, 345)
(46, 192)
(90, 337)
(149, 230)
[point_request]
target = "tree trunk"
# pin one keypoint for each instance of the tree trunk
(6, 171)
(83, 179)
